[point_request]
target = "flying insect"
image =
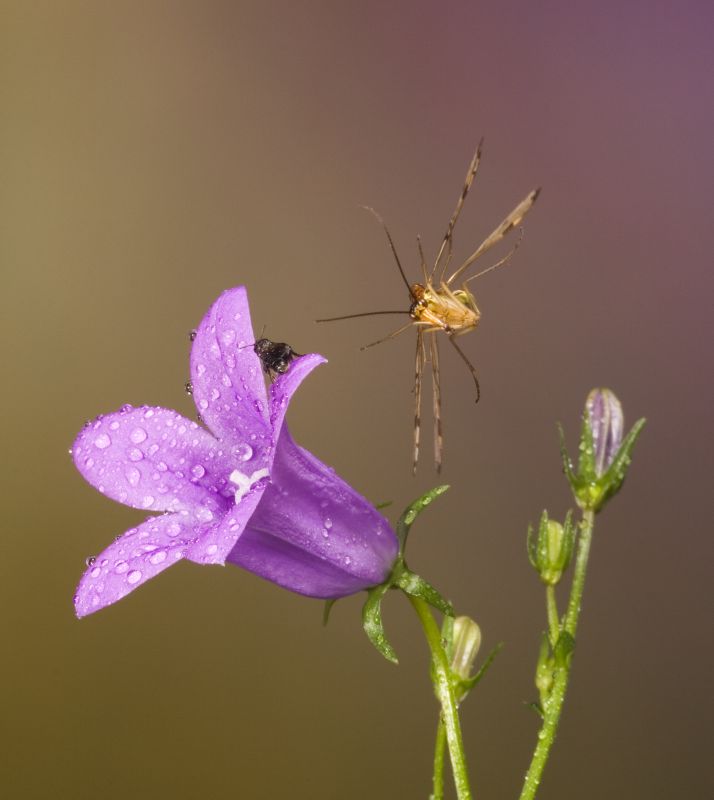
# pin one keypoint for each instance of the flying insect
(435, 305)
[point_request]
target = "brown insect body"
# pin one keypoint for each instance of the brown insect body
(454, 312)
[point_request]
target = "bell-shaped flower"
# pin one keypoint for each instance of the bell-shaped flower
(241, 492)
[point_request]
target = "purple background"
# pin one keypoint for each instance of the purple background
(154, 154)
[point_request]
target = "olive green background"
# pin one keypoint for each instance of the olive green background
(152, 155)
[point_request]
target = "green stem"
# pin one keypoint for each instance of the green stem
(445, 693)
(553, 618)
(553, 706)
(438, 784)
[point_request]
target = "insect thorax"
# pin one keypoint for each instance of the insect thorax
(453, 311)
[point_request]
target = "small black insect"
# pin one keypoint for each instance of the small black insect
(275, 356)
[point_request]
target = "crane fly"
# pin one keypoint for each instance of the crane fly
(437, 306)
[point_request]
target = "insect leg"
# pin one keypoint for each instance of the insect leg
(418, 372)
(500, 263)
(392, 335)
(436, 387)
(446, 243)
(468, 364)
(510, 222)
(423, 261)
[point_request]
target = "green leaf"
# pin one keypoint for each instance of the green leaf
(372, 622)
(412, 512)
(615, 475)
(416, 586)
(326, 611)
(563, 650)
(469, 683)
(565, 457)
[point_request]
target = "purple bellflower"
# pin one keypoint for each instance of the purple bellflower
(241, 492)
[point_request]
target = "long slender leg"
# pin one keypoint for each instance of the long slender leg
(392, 335)
(418, 372)
(468, 364)
(499, 263)
(423, 261)
(436, 387)
(470, 175)
(508, 224)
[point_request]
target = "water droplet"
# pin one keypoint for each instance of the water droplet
(198, 471)
(192, 336)
(133, 577)
(161, 466)
(147, 501)
(135, 454)
(102, 441)
(113, 425)
(138, 435)
(203, 404)
(258, 405)
(211, 549)
(96, 572)
(89, 561)
(215, 394)
(158, 557)
(348, 560)
(228, 336)
(174, 529)
(204, 514)
(133, 476)
(327, 522)
(200, 369)
(120, 567)
(148, 413)
(88, 463)
(189, 387)
(325, 532)
(243, 452)
(225, 380)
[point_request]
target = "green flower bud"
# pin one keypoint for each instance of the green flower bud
(604, 454)
(551, 550)
(466, 642)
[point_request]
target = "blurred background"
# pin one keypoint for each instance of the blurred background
(153, 154)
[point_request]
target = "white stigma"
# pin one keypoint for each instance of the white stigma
(245, 483)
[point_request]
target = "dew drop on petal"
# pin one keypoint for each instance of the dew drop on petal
(135, 454)
(200, 369)
(204, 514)
(203, 404)
(138, 435)
(102, 441)
(89, 561)
(147, 501)
(161, 466)
(327, 522)
(215, 394)
(243, 452)
(225, 380)
(113, 425)
(198, 471)
(158, 557)
(120, 567)
(88, 463)
(211, 549)
(348, 560)
(149, 413)
(133, 577)
(133, 476)
(174, 529)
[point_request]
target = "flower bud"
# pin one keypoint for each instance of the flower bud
(466, 643)
(550, 552)
(606, 423)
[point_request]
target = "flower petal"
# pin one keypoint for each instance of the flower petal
(153, 458)
(312, 532)
(132, 559)
(217, 542)
(228, 384)
(285, 386)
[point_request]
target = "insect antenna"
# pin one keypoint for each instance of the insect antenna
(423, 261)
(364, 314)
(394, 249)
(392, 335)
(446, 243)
(469, 365)
(510, 222)
(500, 263)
